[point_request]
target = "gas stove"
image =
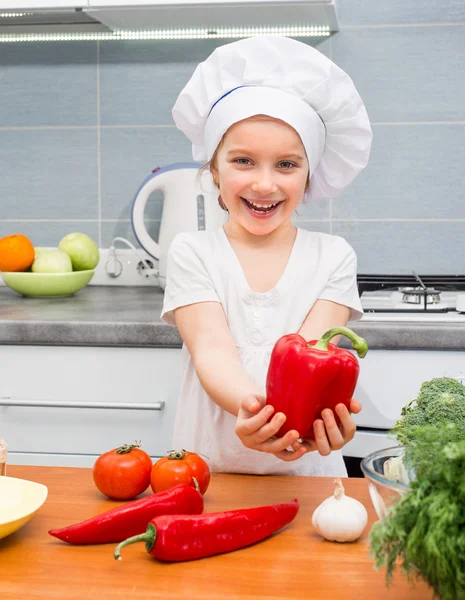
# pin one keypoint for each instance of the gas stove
(398, 301)
(439, 298)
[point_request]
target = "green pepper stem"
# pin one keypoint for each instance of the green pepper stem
(358, 343)
(149, 538)
(196, 484)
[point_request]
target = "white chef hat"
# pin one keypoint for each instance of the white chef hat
(288, 80)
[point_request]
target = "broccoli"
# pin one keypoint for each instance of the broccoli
(441, 400)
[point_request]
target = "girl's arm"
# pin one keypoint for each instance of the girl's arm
(324, 315)
(204, 330)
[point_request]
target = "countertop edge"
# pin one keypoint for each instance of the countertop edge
(140, 335)
(380, 335)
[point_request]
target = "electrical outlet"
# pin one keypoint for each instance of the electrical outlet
(124, 267)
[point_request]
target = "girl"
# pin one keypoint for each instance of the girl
(277, 122)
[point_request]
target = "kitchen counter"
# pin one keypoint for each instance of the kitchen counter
(295, 564)
(130, 316)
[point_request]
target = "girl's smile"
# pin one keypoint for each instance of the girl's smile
(262, 209)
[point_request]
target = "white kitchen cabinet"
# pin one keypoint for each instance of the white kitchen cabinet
(209, 4)
(38, 4)
(167, 3)
(175, 14)
(35, 379)
(51, 401)
(154, 3)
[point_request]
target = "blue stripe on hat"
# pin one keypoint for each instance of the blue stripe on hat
(227, 94)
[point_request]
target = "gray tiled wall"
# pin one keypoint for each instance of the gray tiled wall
(83, 124)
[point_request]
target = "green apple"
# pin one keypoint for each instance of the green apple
(51, 261)
(81, 249)
(38, 250)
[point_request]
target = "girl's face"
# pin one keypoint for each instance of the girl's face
(262, 171)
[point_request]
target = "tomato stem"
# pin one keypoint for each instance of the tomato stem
(176, 454)
(127, 448)
(180, 454)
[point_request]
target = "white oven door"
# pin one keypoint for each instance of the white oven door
(388, 380)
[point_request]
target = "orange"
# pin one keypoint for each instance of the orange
(16, 253)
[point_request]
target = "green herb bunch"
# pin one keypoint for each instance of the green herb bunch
(425, 530)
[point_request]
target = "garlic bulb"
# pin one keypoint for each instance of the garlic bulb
(340, 518)
(394, 470)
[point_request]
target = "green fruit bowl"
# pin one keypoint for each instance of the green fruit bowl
(47, 285)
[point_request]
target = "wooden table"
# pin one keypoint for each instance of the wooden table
(294, 564)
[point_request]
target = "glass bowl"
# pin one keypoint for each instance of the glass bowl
(388, 476)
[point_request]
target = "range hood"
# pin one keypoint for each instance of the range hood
(163, 19)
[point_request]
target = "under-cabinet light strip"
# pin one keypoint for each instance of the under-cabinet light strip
(16, 15)
(166, 34)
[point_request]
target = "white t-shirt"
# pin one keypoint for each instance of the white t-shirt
(202, 267)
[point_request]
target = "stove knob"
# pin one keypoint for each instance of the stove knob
(460, 306)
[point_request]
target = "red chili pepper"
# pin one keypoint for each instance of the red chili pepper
(177, 538)
(306, 377)
(132, 518)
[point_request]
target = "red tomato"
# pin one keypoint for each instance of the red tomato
(180, 467)
(123, 473)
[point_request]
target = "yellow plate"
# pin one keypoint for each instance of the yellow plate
(19, 501)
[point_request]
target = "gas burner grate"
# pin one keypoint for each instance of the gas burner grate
(443, 283)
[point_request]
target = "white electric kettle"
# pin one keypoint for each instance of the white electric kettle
(190, 204)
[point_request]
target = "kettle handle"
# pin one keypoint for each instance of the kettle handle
(137, 217)
(140, 202)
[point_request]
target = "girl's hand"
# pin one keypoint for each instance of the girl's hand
(328, 435)
(256, 433)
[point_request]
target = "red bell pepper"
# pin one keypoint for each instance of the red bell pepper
(189, 537)
(306, 377)
(132, 518)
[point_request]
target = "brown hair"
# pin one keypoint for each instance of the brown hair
(208, 166)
